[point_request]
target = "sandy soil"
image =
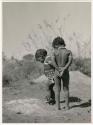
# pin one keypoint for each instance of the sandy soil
(24, 102)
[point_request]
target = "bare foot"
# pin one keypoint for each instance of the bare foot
(59, 108)
(66, 108)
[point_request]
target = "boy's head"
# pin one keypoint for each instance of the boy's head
(57, 42)
(40, 55)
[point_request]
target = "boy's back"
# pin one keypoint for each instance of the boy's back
(62, 56)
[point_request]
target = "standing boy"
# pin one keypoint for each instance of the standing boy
(62, 58)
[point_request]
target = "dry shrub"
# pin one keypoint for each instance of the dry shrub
(24, 69)
(82, 64)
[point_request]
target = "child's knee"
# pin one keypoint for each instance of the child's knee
(51, 85)
(66, 85)
(66, 88)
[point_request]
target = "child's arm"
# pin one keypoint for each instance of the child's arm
(49, 60)
(70, 57)
(54, 63)
(67, 65)
(56, 67)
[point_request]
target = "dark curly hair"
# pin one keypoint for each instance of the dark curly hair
(40, 53)
(58, 41)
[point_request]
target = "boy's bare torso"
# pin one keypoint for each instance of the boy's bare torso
(61, 57)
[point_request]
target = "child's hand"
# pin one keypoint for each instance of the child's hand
(57, 73)
(49, 62)
(61, 73)
(62, 69)
(59, 69)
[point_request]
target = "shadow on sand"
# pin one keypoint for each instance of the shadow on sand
(76, 99)
(83, 105)
(72, 99)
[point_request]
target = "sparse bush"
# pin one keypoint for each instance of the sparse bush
(7, 79)
(83, 65)
(27, 69)
(73, 67)
(32, 69)
(17, 70)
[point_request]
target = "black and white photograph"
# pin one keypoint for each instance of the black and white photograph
(46, 62)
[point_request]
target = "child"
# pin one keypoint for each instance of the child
(62, 58)
(41, 56)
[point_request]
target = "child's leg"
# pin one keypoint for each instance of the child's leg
(66, 97)
(52, 95)
(48, 92)
(58, 89)
(66, 90)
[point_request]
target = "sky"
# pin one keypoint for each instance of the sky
(19, 18)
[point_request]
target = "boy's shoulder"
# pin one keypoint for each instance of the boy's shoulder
(69, 51)
(65, 49)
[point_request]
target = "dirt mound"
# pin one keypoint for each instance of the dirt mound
(41, 79)
(28, 106)
(80, 77)
(25, 103)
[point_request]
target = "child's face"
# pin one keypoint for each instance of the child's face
(56, 47)
(41, 59)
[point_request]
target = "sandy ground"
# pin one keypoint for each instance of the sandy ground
(24, 102)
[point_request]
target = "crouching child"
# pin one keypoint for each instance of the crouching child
(49, 69)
